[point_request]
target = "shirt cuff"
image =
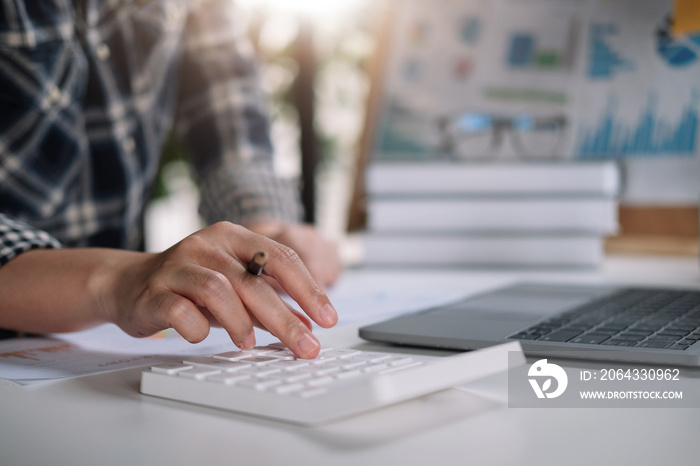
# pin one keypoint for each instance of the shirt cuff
(17, 237)
(248, 195)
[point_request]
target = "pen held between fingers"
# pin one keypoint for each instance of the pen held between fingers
(257, 263)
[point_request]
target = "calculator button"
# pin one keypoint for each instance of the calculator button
(170, 368)
(228, 378)
(342, 353)
(372, 357)
(233, 355)
(260, 360)
(325, 370)
(347, 374)
(322, 358)
(290, 388)
(260, 350)
(198, 373)
(284, 355)
(375, 368)
(258, 384)
(261, 371)
(297, 377)
(347, 363)
(290, 365)
(310, 369)
(220, 364)
(319, 381)
(312, 392)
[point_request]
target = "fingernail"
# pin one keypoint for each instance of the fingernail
(249, 341)
(328, 315)
(308, 345)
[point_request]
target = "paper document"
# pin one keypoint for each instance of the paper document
(365, 304)
(106, 348)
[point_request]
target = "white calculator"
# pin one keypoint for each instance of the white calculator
(271, 382)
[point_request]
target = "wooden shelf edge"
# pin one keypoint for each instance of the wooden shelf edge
(652, 244)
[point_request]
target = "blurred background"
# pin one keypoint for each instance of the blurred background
(319, 59)
(314, 58)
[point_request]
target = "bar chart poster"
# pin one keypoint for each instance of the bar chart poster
(545, 79)
(488, 60)
(640, 93)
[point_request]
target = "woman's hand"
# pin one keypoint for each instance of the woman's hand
(203, 279)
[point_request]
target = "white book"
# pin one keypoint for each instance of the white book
(573, 178)
(406, 214)
(483, 250)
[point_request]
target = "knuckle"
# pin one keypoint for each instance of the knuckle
(157, 299)
(177, 312)
(255, 284)
(314, 296)
(222, 261)
(292, 326)
(287, 254)
(194, 242)
(173, 311)
(223, 227)
(214, 283)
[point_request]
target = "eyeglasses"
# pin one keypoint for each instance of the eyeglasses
(473, 136)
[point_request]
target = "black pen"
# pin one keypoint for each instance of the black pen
(257, 263)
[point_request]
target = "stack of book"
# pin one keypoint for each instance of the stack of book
(510, 214)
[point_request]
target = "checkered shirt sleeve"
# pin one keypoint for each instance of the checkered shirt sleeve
(223, 122)
(17, 237)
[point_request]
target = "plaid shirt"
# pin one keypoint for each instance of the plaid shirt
(88, 91)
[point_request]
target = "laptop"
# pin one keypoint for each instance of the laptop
(609, 323)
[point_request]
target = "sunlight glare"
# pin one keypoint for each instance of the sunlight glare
(317, 9)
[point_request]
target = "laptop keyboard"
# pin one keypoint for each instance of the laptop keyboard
(661, 319)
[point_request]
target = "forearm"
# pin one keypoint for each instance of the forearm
(59, 290)
(223, 122)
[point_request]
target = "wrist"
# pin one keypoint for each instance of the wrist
(109, 280)
(270, 229)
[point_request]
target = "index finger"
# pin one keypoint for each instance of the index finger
(285, 266)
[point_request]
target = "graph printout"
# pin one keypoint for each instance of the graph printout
(106, 348)
(568, 79)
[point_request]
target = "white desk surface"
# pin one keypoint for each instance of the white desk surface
(104, 420)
